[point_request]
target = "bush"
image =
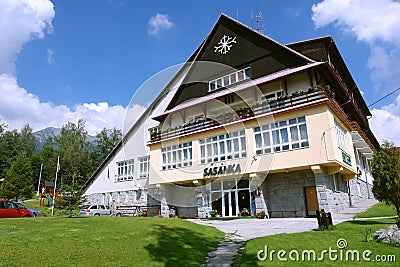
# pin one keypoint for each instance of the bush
(244, 212)
(213, 213)
(261, 215)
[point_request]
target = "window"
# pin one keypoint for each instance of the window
(338, 183)
(125, 170)
(144, 165)
(229, 79)
(281, 136)
(341, 137)
(223, 147)
(229, 99)
(177, 156)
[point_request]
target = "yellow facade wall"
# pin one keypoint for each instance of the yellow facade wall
(323, 150)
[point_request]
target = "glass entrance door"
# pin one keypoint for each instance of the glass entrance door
(230, 196)
(230, 203)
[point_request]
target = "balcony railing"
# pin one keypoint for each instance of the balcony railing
(242, 113)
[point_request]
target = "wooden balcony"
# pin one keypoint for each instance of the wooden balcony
(262, 108)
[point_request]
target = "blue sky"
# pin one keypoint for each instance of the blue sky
(64, 60)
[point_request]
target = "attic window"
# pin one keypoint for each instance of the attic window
(229, 79)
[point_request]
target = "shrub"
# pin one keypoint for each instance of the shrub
(213, 213)
(261, 215)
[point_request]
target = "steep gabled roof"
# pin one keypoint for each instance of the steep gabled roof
(245, 47)
(325, 49)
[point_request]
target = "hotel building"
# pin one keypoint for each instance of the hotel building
(247, 124)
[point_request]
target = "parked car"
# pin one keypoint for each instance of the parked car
(9, 209)
(95, 210)
(35, 212)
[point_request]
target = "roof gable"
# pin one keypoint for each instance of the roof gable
(235, 46)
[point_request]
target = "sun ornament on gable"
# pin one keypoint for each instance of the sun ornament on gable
(225, 44)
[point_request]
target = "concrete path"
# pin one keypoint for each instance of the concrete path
(246, 229)
(238, 231)
(349, 213)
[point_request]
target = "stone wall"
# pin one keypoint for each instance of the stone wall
(284, 193)
(359, 190)
(131, 197)
(332, 195)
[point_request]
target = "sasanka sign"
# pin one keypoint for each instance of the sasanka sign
(222, 170)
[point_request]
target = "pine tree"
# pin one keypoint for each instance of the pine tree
(18, 181)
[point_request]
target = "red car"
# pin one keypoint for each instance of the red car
(9, 210)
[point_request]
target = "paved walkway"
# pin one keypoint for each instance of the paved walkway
(246, 229)
(238, 231)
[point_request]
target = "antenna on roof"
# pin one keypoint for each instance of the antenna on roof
(256, 22)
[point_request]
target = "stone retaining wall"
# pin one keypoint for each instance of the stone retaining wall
(284, 193)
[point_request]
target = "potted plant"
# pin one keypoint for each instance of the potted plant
(244, 111)
(314, 88)
(298, 93)
(244, 212)
(155, 136)
(213, 213)
(261, 214)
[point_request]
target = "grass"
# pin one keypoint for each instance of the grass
(378, 210)
(105, 241)
(353, 232)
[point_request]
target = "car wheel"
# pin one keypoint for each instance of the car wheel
(96, 214)
(118, 214)
(27, 216)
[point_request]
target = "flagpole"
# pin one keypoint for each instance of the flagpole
(55, 185)
(40, 177)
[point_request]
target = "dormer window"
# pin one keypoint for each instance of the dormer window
(229, 79)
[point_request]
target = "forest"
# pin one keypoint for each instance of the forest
(21, 162)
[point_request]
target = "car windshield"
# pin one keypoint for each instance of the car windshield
(19, 205)
(84, 207)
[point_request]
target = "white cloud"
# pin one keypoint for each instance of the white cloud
(385, 122)
(50, 56)
(18, 107)
(293, 12)
(384, 64)
(368, 20)
(20, 21)
(376, 23)
(159, 22)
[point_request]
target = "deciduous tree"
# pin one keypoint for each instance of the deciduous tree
(386, 173)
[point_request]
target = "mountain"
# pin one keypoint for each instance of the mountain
(42, 135)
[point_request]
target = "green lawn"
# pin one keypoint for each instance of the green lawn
(378, 210)
(105, 241)
(353, 232)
